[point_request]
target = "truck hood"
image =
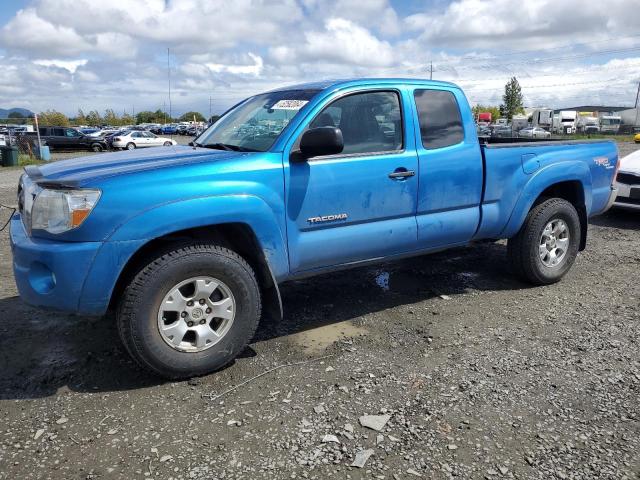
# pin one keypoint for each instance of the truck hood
(82, 170)
(631, 163)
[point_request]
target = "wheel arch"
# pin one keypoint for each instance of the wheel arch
(569, 180)
(238, 237)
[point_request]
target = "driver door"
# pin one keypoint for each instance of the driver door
(359, 204)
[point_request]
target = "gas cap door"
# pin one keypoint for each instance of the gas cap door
(530, 163)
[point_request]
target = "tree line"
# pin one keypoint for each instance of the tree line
(94, 119)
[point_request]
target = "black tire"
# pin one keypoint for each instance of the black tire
(131, 146)
(96, 147)
(137, 314)
(523, 249)
(167, 144)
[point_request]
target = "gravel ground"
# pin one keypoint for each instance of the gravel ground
(467, 373)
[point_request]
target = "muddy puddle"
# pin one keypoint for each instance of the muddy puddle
(316, 340)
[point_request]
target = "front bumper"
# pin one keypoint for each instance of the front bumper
(625, 199)
(49, 273)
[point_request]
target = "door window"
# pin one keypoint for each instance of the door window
(439, 117)
(58, 132)
(370, 122)
(70, 132)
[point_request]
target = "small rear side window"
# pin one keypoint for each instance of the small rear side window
(439, 117)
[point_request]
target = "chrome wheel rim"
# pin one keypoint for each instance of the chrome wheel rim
(554, 243)
(196, 314)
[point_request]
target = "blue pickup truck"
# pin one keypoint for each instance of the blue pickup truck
(188, 244)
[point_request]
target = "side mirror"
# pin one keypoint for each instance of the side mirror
(321, 141)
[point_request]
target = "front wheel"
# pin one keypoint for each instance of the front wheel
(190, 311)
(96, 147)
(546, 246)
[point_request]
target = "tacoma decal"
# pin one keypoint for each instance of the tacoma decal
(328, 218)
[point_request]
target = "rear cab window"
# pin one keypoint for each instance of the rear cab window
(439, 118)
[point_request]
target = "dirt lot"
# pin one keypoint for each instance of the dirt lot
(479, 375)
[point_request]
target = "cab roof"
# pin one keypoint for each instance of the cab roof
(350, 82)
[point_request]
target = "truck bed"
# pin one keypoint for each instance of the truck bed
(516, 171)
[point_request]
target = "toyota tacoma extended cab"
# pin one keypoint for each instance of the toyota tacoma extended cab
(188, 244)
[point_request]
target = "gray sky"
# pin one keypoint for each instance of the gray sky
(89, 54)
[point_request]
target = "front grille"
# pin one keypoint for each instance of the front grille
(628, 201)
(628, 178)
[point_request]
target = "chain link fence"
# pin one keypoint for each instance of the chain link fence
(22, 136)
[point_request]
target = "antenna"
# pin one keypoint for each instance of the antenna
(431, 70)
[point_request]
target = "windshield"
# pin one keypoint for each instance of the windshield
(255, 124)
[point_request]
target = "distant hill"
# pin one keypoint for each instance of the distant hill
(4, 113)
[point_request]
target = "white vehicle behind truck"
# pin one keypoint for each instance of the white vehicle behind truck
(610, 123)
(568, 120)
(588, 123)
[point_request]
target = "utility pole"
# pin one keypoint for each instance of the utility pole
(169, 78)
(431, 70)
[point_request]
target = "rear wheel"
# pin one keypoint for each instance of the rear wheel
(131, 146)
(96, 147)
(190, 311)
(167, 144)
(546, 246)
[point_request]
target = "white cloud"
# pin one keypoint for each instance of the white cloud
(341, 42)
(67, 54)
(252, 69)
(508, 24)
(69, 65)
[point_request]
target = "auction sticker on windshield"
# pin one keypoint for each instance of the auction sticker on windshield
(289, 104)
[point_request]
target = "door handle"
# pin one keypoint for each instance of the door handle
(401, 173)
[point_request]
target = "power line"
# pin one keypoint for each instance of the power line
(561, 47)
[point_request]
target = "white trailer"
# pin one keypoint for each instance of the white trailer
(630, 120)
(588, 123)
(542, 117)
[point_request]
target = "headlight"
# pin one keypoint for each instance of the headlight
(57, 211)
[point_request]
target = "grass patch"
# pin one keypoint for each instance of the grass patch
(24, 160)
(600, 136)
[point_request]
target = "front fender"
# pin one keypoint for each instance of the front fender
(172, 217)
(544, 178)
(213, 210)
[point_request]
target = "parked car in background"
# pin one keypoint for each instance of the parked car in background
(108, 138)
(636, 138)
(88, 131)
(103, 132)
(137, 139)
(68, 138)
(169, 129)
(502, 131)
(534, 132)
(628, 181)
(195, 130)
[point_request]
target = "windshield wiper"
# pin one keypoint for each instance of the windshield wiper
(227, 146)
